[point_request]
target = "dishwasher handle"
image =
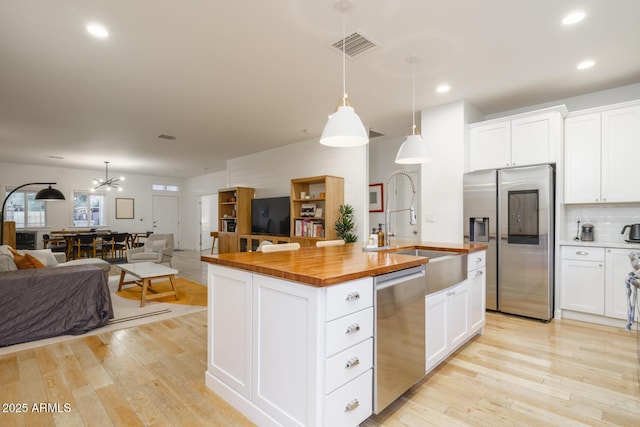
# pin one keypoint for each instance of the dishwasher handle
(392, 282)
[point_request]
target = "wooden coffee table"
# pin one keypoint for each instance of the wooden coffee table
(145, 272)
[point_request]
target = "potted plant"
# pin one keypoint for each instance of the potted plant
(345, 225)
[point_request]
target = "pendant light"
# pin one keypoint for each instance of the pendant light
(413, 150)
(344, 127)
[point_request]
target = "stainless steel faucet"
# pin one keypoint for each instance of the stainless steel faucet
(412, 212)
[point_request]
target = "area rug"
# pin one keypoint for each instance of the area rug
(189, 293)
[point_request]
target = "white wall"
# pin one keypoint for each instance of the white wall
(194, 188)
(444, 129)
(60, 214)
(270, 172)
(382, 153)
(582, 102)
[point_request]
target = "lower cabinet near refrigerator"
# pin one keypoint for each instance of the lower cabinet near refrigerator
(592, 283)
(454, 315)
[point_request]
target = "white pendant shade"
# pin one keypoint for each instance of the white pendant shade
(413, 151)
(344, 129)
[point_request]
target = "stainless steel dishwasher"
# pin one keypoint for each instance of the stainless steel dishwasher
(400, 358)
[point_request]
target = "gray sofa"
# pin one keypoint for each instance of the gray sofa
(65, 298)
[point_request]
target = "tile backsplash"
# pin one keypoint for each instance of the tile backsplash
(607, 220)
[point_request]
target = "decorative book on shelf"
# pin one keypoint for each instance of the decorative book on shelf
(308, 228)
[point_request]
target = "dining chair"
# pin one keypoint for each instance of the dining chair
(117, 243)
(321, 243)
(281, 247)
(86, 243)
(56, 244)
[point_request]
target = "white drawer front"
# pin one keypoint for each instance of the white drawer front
(582, 253)
(476, 260)
(349, 297)
(349, 330)
(348, 364)
(351, 404)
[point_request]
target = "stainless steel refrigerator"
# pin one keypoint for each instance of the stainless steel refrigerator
(512, 211)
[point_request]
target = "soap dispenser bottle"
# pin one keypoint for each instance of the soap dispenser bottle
(380, 236)
(373, 239)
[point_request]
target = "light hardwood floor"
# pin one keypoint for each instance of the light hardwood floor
(519, 373)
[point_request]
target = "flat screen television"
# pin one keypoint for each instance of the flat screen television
(270, 216)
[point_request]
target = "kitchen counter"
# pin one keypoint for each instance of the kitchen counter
(601, 244)
(333, 264)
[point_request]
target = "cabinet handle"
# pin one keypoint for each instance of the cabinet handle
(352, 329)
(351, 405)
(479, 273)
(582, 253)
(352, 296)
(353, 362)
(478, 260)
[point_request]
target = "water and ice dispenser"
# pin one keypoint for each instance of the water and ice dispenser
(479, 229)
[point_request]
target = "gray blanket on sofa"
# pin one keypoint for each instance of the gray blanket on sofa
(43, 303)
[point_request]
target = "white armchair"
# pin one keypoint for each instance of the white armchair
(157, 248)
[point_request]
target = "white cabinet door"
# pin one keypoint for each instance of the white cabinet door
(230, 327)
(477, 299)
(582, 159)
(617, 268)
(582, 285)
(620, 155)
(436, 318)
(286, 330)
(489, 146)
(535, 139)
(458, 314)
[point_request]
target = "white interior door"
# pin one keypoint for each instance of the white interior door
(208, 208)
(166, 217)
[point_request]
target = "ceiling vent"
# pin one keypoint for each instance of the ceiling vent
(167, 137)
(374, 134)
(354, 44)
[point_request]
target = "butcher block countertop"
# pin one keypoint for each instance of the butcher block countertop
(333, 264)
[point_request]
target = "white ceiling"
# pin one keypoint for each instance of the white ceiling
(237, 77)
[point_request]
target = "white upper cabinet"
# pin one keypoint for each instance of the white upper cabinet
(601, 150)
(489, 146)
(582, 159)
(519, 140)
(620, 155)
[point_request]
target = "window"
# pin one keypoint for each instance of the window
(162, 187)
(23, 208)
(88, 209)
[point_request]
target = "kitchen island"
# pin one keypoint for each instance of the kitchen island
(290, 334)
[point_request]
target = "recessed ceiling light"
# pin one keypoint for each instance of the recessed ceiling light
(444, 88)
(574, 18)
(586, 64)
(97, 30)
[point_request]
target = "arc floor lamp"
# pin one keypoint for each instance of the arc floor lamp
(44, 194)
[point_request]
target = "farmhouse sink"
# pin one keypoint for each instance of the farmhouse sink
(445, 268)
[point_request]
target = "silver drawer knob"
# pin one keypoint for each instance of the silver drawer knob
(479, 273)
(351, 405)
(352, 329)
(352, 296)
(582, 253)
(353, 362)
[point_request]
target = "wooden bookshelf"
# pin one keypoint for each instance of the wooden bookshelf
(234, 217)
(315, 203)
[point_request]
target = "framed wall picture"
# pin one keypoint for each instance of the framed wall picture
(124, 208)
(376, 198)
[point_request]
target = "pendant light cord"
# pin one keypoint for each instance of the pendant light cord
(413, 111)
(344, 63)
